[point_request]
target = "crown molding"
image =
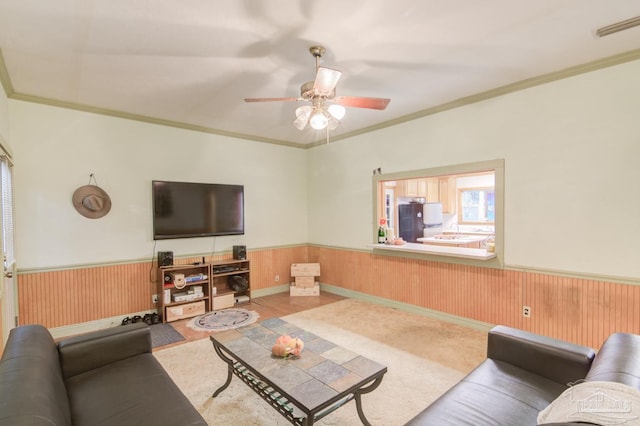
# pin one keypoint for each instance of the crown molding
(147, 119)
(5, 80)
(607, 62)
(610, 61)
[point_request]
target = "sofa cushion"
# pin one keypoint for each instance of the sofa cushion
(560, 361)
(93, 350)
(495, 393)
(31, 384)
(132, 391)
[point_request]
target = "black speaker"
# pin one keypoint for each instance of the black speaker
(240, 252)
(165, 258)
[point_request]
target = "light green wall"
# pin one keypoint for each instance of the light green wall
(572, 180)
(4, 121)
(57, 149)
(570, 149)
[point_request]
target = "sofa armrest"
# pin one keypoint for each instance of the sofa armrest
(554, 359)
(99, 348)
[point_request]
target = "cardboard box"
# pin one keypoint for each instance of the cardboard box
(304, 291)
(305, 270)
(187, 310)
(224, 301)
(305, 281)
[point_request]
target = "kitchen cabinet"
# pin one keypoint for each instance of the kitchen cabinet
(442, 189)
(416, 188)
(411, 188)
(447, 194)
(433, 190)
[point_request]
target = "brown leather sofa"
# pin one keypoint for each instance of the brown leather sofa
(108, 377)
(524, 373)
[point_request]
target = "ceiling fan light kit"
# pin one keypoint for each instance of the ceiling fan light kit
(326, 109)
(318, 120)
(337, 111)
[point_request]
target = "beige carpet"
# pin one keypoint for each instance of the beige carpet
(424, 357)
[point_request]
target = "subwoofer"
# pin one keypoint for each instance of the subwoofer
(165, 258)
(240, 252)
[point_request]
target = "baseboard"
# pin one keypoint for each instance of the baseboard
(406, 307)
(270, 291)
(85, 327)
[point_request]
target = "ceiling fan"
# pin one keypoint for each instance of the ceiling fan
(326, 109)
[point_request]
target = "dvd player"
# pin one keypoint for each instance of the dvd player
(223, 269)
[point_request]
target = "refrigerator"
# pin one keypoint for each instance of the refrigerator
(432, 213)
(410, 222)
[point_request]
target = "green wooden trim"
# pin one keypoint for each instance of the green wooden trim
(406, 307)
(467, 100)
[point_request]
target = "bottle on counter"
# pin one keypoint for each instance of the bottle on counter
(382, 235)
(382, 232)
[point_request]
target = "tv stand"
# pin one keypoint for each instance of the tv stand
(206, 288)
(223, 296)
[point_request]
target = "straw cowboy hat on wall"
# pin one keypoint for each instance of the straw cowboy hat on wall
(91, 201)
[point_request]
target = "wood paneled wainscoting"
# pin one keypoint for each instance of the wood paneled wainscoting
(579, 310)
(69, 296)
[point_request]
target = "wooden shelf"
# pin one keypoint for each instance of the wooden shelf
(186, 301)
(217, 280)
(171, 285)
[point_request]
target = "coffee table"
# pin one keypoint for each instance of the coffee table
(303, 389)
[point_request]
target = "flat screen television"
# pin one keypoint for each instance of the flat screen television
(187, 209)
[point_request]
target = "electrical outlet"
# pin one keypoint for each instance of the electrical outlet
(154, 298)
(277, 278)
(526, 311)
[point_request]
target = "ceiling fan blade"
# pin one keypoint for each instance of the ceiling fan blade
(359, 102)
(326, 80)
(291, 99)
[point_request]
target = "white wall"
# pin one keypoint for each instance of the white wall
(572, 177)
(56, 149)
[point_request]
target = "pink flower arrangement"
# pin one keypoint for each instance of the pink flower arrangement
(287, 345)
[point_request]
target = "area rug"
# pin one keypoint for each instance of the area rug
(164, 334)
(424, 357)
(226, 319)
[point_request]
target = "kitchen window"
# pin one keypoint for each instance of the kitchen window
(477, 206)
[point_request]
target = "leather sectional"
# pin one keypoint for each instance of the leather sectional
(107, 377)
(525, 373)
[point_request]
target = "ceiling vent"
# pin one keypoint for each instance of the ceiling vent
(618, 26)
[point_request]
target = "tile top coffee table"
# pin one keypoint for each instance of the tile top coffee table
(303, 389)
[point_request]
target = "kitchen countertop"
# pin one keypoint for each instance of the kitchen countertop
(468, 232)
(451, 239)
(463, 252)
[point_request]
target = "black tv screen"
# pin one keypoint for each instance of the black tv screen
(185, 209)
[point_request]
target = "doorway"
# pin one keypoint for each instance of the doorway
(8, 292)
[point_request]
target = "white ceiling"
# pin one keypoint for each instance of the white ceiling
(194, 61)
